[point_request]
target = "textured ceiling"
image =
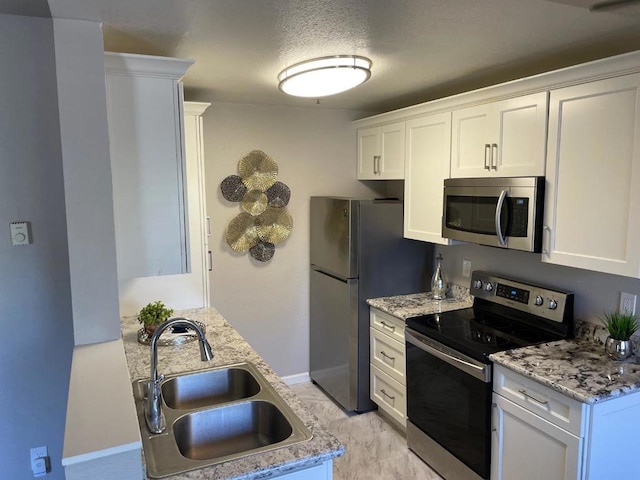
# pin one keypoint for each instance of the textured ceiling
(421, 49)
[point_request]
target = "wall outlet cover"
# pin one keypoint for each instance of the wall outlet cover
(466, 268)
(627, 303)
(40, 462)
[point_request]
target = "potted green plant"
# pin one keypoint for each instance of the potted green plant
(153, 314)
(620, 326)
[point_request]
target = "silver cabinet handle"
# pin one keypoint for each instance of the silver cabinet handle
(541, 402)
(383, 353)
(387, 395)
(546, 240)
(386, 325)
(494, 156)
(376, 164)
(499, 206)
(208, 226)
(210, 260)
(487, 152)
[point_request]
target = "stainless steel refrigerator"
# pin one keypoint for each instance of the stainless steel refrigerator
(357, 252)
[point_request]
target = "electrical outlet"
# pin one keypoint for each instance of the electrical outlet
(40, 462)
(466, 268)
(627, 303)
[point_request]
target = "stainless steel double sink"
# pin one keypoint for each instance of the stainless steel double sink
(214, 416)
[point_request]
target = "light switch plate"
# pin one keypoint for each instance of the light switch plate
(20, 233)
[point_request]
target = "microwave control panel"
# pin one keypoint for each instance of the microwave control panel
(519, 217)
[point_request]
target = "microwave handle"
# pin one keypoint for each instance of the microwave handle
(501, 238)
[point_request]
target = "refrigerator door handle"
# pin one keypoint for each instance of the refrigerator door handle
(331, 274)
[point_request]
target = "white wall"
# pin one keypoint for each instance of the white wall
(35, 297)
(268, 303)
(594, 292)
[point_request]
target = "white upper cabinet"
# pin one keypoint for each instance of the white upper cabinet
(592, 204)
(144, 107)
(428, 154)
(504, 138)
(381, 152)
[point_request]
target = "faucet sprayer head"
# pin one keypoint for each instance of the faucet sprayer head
(206, 353)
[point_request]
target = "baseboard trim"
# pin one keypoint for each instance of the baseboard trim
(297, 378)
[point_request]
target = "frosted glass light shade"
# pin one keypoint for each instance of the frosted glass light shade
(324, 76)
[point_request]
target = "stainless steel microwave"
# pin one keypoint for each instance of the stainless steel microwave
(500, 212)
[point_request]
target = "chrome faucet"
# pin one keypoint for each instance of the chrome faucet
(153, 409)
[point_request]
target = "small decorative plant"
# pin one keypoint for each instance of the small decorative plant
(620, 325)
(153, 314)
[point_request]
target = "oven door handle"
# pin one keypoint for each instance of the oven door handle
(480, 372)
(499, 206)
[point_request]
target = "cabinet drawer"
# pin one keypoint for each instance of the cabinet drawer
(388, 324)
(388, 355)
(389, 395)
(549, 404)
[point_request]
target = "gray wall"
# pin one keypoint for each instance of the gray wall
(268, 303)
(35, 298)
(84, 137)
(595, 292)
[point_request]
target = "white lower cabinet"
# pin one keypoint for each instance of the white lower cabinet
(387, 357)
(539, 433)
(528, 447)
(389, 395)
(324, 471)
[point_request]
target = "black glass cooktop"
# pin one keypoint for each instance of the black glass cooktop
(478, 333)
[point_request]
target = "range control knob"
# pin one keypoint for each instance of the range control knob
(538, 300)
(553, 304)
(477, 284)
(488, 287)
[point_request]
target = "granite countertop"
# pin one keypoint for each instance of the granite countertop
(416, 304)
(576, 368)
(229, 347)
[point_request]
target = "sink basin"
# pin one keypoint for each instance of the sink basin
(215, 416)
(241, 427)
(210, 387)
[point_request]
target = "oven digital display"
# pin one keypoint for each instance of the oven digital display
(512, 293)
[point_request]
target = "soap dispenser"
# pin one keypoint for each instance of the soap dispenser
(438, 281)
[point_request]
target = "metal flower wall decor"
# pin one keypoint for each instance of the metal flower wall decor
(265, 219)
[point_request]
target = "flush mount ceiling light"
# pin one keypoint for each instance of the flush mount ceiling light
(324, 76)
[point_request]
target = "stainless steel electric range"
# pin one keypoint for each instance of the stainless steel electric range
(449, 374)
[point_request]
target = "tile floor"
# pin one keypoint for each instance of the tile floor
(374, 449)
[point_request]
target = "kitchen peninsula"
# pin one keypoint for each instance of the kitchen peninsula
(229, 348)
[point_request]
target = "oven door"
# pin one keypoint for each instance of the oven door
(448, 408)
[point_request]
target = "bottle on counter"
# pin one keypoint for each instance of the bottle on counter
(439, 284)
